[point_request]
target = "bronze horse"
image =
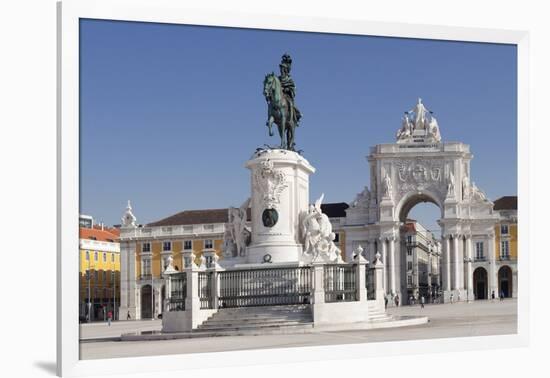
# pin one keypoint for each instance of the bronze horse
(279, 111)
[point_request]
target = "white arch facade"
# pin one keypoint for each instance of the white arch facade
(419, 167)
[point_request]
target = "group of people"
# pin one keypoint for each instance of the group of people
(394, 299)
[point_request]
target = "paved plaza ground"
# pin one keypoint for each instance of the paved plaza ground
(478, 318)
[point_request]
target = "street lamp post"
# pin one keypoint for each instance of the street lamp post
(152, 294)
(88, 278)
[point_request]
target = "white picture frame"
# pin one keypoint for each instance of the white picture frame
(69, 13)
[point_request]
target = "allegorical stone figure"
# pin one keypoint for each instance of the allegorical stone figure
(280, 93)
(239, 232)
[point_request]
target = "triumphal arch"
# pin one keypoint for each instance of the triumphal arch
(421, 167)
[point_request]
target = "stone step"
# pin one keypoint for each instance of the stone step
(217, 319)
(251, 324)
(254, 329)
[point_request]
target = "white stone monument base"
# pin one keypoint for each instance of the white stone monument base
(280, 253)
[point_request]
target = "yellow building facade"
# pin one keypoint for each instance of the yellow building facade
(99, 274)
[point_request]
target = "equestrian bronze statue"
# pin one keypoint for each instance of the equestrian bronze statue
(279, 93)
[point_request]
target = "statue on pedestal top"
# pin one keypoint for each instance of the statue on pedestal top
(279, 93)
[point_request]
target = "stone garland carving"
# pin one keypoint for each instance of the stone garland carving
(271, 183)
(317, 235)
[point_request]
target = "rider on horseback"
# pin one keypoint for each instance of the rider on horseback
(288, 86)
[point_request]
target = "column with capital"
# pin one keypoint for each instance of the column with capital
(382, 242)
(456, 263)
(469, 279)
(493, 281)
(446, 267)
(392, 264)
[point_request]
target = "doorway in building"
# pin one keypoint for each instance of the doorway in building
(480, 283)
(146, 302)
(505, 282)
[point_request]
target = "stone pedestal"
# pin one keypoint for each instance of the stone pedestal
(280, 195)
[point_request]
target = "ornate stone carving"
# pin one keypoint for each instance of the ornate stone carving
(128, 219)
(239, 232)
(419, 174)
(317, 235)
(477, 194)
(450, 185)
(465, 188)
(271, 183)
(418, 125)
(388, 187)
(362, 199)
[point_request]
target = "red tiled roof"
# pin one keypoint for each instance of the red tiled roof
(333, 210)
(100, 235)
(112, 230)
(195, 217)
(506, 203)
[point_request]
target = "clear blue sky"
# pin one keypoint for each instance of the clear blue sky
(170, 113)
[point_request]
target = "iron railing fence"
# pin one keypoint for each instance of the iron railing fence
(340, 284)
(265, 287)
(206, 282)
(178, 292)
(369, 282)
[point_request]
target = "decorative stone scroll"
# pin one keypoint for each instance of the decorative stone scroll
(271, 182)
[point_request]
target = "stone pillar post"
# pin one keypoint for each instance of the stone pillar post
(378, 272)
(128, 285)
(392, 265)
(446, 267)
(469, 273)
(456, 264)
(192, 301)
(360, 275)
(385, 262)
(213, 266)
(318, 297)
(493, 279)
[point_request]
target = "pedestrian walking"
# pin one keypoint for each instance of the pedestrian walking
(109, 317)
(397, 301)
(501, 295)
(452, 297)
(422, 302)
(385, 302)
(128, 317)
(493, 295)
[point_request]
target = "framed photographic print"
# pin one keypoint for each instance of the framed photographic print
(282, 186)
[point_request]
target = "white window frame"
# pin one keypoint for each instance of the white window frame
(479, 244)
(146, 263)
(507, 249)
(502, 226)
(143, 247)
(211, 242)
(87, 255)
(164, 243)
(190, 243)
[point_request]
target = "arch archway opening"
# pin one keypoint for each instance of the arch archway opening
(420, 259)
(481, 284)
(505, 282)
